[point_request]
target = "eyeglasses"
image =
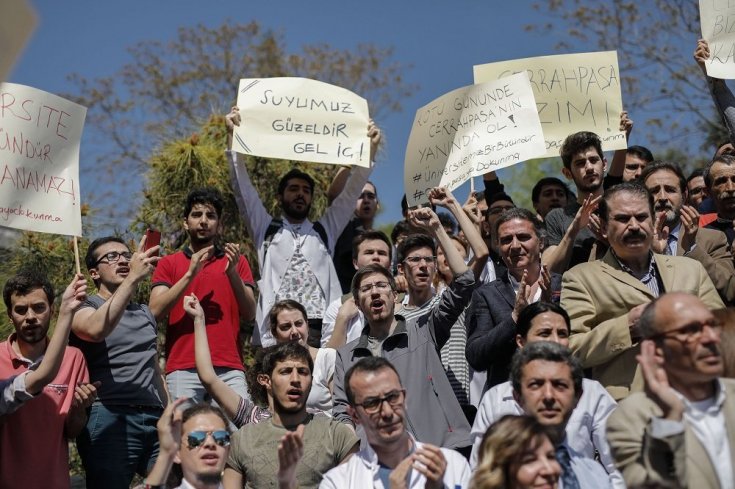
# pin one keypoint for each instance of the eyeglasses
(415, 260)
(690, 333)
(372, 405)
(499, 209)
(114, 257)
(197, 438)
(379, 286)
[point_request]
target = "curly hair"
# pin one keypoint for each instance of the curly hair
(503, 445)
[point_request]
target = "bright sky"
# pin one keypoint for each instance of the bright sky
(442, 40)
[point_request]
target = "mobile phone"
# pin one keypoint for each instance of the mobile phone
(152, 238)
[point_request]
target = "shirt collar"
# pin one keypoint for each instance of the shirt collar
(675, 232)
(368, 456)
(651, 266)
(218, 252)
(185, 485)
(18, 360)
(714, 409)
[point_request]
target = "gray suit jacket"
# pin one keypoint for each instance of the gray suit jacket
(675, 461)
(713, 253)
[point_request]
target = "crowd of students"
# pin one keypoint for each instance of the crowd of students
(581, 344)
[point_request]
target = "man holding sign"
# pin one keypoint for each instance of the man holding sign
(294, 254)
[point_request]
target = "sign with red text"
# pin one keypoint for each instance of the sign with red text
(39, 160)
(717, 19)
(303, 120)
(574, 92)
(471, 131)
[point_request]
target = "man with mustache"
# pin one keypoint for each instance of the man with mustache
(677, 231)
(679, 432)
(295, 254)
(719, 177)
(605, 298)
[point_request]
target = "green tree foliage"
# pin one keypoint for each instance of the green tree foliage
(168, 90)
(663, 88)
(199, 160)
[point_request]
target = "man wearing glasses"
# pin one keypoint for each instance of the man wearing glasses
(433, 414)
(118, 339)
(679, 432)
(378, 404)
(605, 298)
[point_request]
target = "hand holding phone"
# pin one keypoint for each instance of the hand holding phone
(152, 238)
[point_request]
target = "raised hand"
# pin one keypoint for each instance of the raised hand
(290, 451)
(430, 461)
(192, 306)
(625, 123)
(441, 196)
(232, 252)
(702, 54)
(660, 234)
(143, 261)
(74, 294)
(199, 258)
(657, 382)
(689, 227)
(582, 218)
(424, 218)
(375, 136)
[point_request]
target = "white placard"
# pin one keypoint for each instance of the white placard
(717, 18)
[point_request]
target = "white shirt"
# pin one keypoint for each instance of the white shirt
(590, 474)
(13, 393)
(708, 424)
(186, 485)
(585, 429)
(361, 471)
(275, 262)
(320, 397)
(354, 325)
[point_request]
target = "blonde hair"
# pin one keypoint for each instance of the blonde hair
(503, 445)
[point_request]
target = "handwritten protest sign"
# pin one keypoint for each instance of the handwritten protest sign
(470, 131)
(39, 160)
(574, 92)
(16, 25)
(717, 18)
(302, 119)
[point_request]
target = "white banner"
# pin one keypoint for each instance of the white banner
(471, 131)
(574, 92)
(717, 18)
(39, 160)
(303, 120)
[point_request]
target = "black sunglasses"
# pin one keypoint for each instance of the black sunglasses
(197, 438)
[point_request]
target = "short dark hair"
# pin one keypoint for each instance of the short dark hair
(368, 270)
(725, 159)
(26, 281)
(284, 305)
(578, 142)
(258, 392)
(528, 313)
(523, 215)
(416, 240)
(635, 188)
(697, 172)
(548, 182)
(204, 196)
(367, 364)
(204, 408)
(647, 319)
(370, 235)
(285, 351)
(292, 174)
(550, 352)
(479, 195)
(640, 152)
(402, 227)
(90, 260)
(669, 166)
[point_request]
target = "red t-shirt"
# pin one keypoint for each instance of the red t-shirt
(212, 288)
(33, 449)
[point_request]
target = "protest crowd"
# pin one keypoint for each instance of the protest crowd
(584, 343)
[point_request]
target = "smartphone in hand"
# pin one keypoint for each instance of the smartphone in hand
(152, 238)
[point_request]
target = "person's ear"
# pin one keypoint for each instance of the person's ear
(352, 412)
(519, 399)
(400, 268)
(520, 341)
(604, 164)
(567, 173)
(94, 274)
(264, 380)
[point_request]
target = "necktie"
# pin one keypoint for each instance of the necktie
(568, 478)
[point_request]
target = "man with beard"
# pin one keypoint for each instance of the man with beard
(35, 438)
(719, 176)
(118, 339)
(605, 298)
(677, 231)
(570, 241)
(293, 447)
(222, 279)
(679, 432)
(391, 455)
(295, 254)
